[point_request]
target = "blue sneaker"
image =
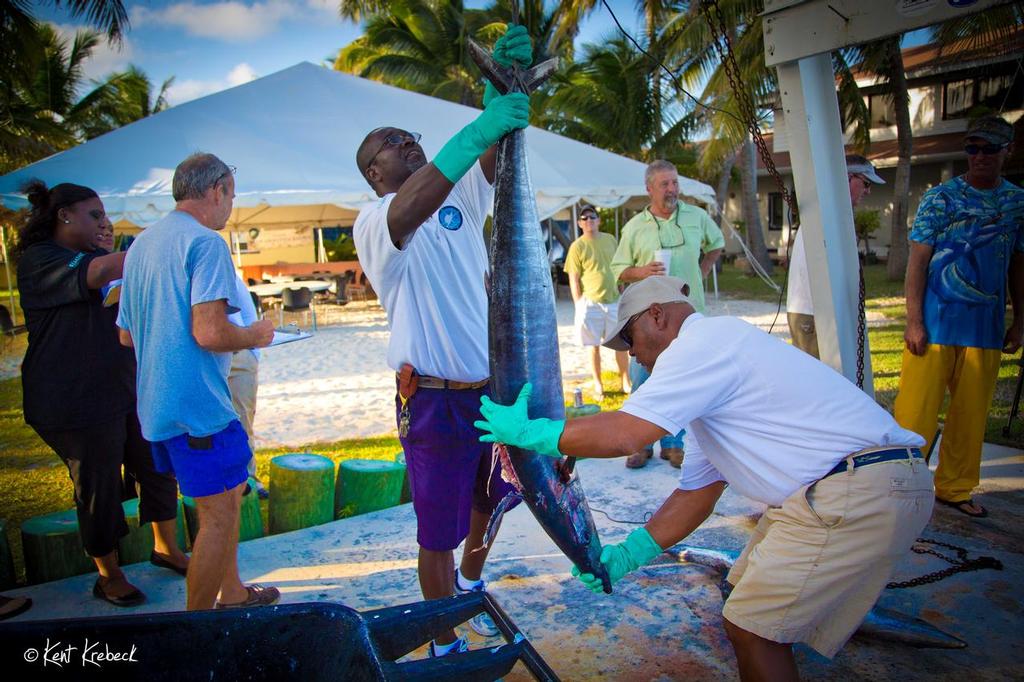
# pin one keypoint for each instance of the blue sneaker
(461, 648)
(481, 622)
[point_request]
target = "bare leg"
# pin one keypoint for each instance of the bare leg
(622, 360)
(474, 554)
(112, 580)
(760, 659)
(595, 367)
(232, 589)
(165, 542)
(214, 551)
(437, 576)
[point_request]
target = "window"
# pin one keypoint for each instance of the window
(240, 244)
(882, 111)
(1001, 92)
(957, 98)
(776, 211)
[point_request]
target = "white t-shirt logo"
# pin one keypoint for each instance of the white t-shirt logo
(450, 217)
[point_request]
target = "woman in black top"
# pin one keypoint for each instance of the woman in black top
(79, 381)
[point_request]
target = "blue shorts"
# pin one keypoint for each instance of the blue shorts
(205, 466)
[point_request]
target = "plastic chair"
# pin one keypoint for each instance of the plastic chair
(297, 300)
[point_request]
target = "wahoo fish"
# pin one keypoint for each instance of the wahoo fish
(524, 336)
(880, 624)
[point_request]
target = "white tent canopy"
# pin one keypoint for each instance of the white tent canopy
(293, 136)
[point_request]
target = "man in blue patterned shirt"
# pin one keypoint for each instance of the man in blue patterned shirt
(968, 236)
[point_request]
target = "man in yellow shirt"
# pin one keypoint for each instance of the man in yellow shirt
(686, 232)
(595, 293)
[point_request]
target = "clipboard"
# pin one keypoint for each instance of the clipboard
(288, 335)
(111, 293)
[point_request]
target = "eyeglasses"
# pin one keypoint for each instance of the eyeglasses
(230, 171)
(986, 149)
(393, 140)
(864, 181)
(586, 218)
(626, 335)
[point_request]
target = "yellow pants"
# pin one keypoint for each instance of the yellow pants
(970, 375)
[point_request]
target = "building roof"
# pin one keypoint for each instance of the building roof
(884, 153)
(933, 58)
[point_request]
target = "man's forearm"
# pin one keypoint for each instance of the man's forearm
(708, 261)
(682, 513)
(226, 338)
(632, 275)
(417, 199)
(575, 286)
(917, 275)
(608, 434)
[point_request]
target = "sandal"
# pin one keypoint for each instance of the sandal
(13, 606)
(258, 596)
(133, 598)
(961, 507)
(164, 561)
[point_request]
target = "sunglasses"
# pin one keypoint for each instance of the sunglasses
(626, 335)
(393, 140)
(586, 218)
(986, 149)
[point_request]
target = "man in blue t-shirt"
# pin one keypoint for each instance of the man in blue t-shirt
(179, 287)
(967, 237)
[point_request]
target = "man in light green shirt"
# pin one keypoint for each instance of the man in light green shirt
(596, 293)
(686, 232)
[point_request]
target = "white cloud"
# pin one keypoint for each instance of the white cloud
(105, 58)
(229, 21)
(185, 90)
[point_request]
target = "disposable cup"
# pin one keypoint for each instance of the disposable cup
(664, 256)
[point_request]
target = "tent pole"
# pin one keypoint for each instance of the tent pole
(575, 227)
(7, 270)
(238, 250)
(616, 223)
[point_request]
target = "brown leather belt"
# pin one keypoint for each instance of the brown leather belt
(435, 382)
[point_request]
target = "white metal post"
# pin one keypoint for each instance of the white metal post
(826, 215)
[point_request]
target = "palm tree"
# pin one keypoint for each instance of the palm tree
(689, 45)
(121, 98)
(419, 46)
(39, 97)
(606, 99)
(43, 111)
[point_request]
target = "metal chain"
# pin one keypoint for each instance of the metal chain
(961, 564)
(747, 110)
(861, 328)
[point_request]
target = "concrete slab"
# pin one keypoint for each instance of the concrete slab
(665, 622)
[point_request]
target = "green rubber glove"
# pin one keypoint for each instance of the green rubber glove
(512, 425)
(638, 548)
(503, 114)
(514, 47)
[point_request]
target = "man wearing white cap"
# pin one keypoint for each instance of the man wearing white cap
(799, 307)
(846, 487)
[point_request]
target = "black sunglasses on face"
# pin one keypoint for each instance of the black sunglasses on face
(393, 140)
(588, 217)
(626, 335)
(987, 149)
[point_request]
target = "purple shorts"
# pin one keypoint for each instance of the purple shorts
(449, 468)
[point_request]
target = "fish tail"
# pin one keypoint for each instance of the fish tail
(494, 522)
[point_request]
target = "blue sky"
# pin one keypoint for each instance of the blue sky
(209, 45)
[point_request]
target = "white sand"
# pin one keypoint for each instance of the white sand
(337, 384)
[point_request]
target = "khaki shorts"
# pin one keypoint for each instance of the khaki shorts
(816, 565)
